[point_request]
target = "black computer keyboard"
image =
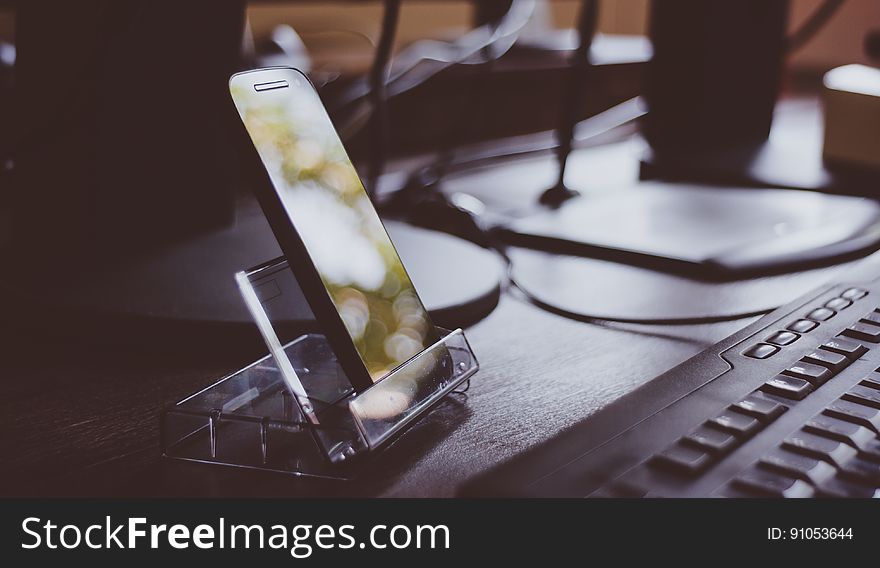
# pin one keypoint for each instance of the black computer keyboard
(787, 407)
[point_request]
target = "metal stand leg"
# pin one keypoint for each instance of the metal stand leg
(579, 66)
(378, 95)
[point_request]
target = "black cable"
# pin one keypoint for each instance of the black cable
(591, 318)
(496, 245)
(812, 25)
(588, 318)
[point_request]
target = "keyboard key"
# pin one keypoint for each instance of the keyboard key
(854, 294)
(835, 362)
(849, 348)
(809, 469)
(682, 459)
(636, 482)
(821, 314)
(714, 441)
(787, 387)
(841, 488)
(834, 452)
(815, 374)
(761, 351)
(770, 484)
(855, 413)
(608, 493)
(783, 338)
(620, 491)
(862, 471)
(863, 332)
(863, 395)
(731, 491)
(872, 318)
(873, 381)
(759, 406)
(838, 304)
(871, 450)
(802, 326)
(738, 424)
(855, 435)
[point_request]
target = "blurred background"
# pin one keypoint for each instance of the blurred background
(341, 36)
(561, 126)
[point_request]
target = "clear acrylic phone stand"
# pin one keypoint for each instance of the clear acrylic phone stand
(294, 411)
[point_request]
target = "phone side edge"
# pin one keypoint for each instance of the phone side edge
(299, 261)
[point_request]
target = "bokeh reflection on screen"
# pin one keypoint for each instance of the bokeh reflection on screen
(341, 230)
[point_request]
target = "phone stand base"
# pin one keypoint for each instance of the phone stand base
(295, 411)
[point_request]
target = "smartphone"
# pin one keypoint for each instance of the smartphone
(327, 227)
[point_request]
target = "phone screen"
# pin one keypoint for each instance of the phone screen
(341, 230)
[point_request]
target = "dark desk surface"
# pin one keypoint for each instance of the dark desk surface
(81, 419)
